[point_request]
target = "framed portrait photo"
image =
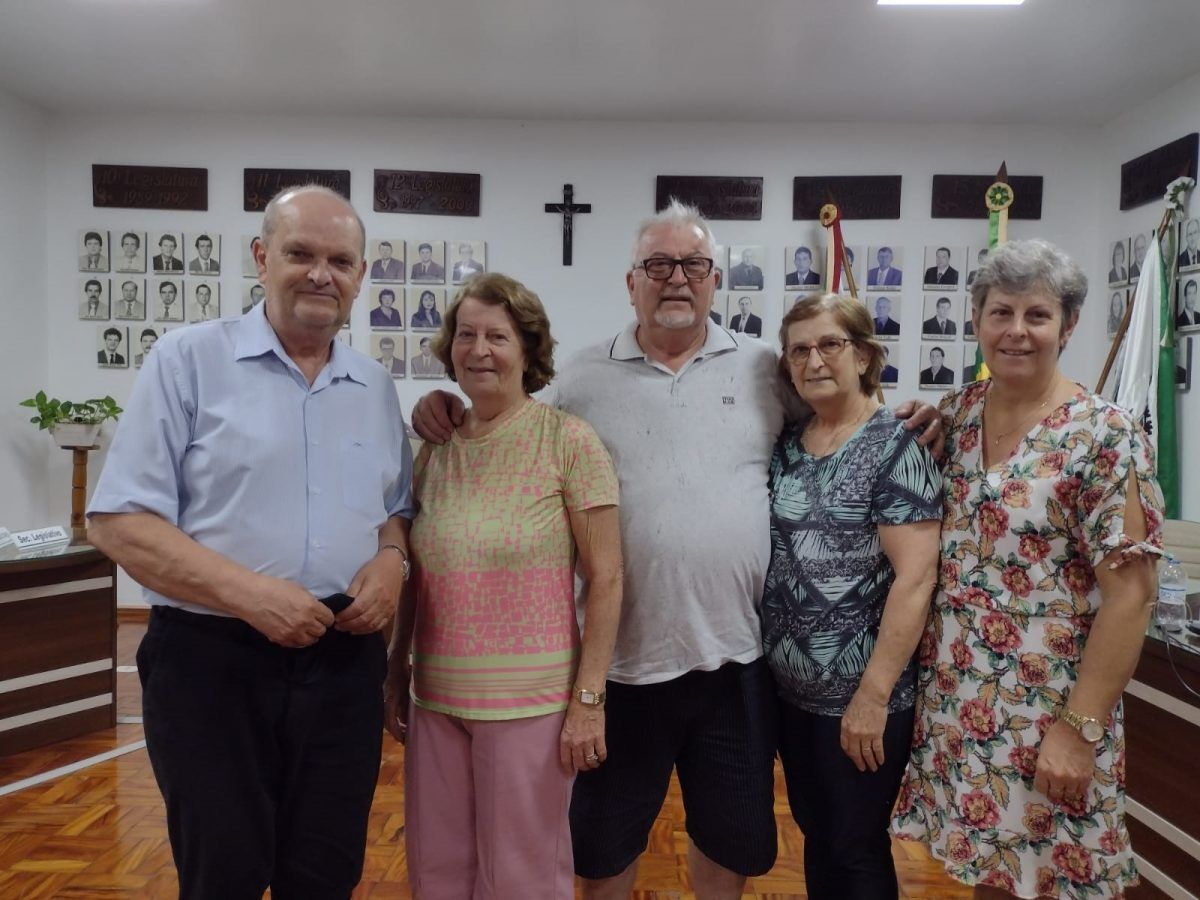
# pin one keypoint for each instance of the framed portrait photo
(1189, 246)
(1187, 303)
(112, 346)
(204, 253)
(939, 318)
(885, 270)
(470, 258)
(426, 306)
(1117, 301)
(743, 313)
(129, 300)
(91, 247)
(426, 262)
(249, 266)
(386, 257)
(1118, 271)
(890, 373)
(166, 295)
(745, 270)
(944, 266)
(802, 266)
(204, 300)
(388, 350)
(168, 252)
(885, 315)
(387, 308)
(130, 253)
(253, 293)
(421, 361)
(93, 298)
(147, 336)
(938, 371)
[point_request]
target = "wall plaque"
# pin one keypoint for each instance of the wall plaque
(260, 185)
(1146, 178)
(717, 196)
(427, 193)
(149, 187)
(961, 196)
(856, 196)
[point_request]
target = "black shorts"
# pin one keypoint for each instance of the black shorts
(718, 729)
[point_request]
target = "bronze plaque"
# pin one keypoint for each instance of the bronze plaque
(1146, 178)
(856, 196)
(426, 193)
(717, 196)
(961, 196)
(260, 185)
(149, 187)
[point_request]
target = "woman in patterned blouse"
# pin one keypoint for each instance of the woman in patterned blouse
(856, 505)
(1017, 772)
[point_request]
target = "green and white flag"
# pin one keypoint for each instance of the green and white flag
(1146, 384)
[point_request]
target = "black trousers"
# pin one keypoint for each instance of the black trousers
(266, 757)
(843, 813)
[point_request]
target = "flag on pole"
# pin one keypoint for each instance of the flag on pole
(998, 198)
(1146, 385)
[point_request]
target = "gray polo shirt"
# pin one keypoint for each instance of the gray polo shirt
(691, 449)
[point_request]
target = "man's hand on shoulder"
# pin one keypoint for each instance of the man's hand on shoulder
(436, 415)
(376, 591)
(924, 415)
(286, 613)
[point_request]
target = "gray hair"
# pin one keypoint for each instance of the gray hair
(271, 213)
(1021, 267)
(679, 215)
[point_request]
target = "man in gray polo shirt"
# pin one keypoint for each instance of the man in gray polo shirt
(690, 414)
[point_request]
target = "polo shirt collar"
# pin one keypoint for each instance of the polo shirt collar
(256, 337)
(716, 340)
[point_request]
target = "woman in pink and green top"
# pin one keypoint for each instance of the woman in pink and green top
(507, 701)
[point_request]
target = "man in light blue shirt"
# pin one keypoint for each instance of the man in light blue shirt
(259, 480)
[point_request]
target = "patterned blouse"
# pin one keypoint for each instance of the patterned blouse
(829, 578)
(1016, 598)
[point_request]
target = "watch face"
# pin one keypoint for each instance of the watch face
(1092, 731)
(587, 697)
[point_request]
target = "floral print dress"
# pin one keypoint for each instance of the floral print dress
(1016, 598)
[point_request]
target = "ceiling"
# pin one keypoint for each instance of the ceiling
(1050, 61)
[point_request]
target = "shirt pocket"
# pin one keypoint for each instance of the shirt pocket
(362, 482)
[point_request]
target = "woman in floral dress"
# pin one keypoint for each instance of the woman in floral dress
(1017, 774)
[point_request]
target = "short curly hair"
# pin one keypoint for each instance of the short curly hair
(852, 315)
(527, 314)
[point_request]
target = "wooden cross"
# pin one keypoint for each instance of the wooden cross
(567, 209)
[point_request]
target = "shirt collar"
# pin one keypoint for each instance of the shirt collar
(717, 340)
(256, 337)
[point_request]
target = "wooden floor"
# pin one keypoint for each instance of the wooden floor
(100, 832)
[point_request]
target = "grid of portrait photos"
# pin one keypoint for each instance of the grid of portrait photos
(1126, 257)
(150, 279)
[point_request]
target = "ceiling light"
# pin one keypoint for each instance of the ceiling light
(949, 2)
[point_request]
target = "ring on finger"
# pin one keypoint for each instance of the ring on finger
(593, 757)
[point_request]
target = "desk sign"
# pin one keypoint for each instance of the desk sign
(40, 537)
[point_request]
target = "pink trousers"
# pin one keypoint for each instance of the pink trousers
(485, 807)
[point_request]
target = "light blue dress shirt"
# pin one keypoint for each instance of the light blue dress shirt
(224, 438)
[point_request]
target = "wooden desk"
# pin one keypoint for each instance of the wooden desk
(1162, 748)
(58, 647)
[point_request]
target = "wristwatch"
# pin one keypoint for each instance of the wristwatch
(406, 569)
(1091, 730)
(589, 698)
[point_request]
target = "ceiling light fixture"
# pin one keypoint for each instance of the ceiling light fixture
(949, 2)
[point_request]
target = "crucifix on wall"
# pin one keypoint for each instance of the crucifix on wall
(567, 209)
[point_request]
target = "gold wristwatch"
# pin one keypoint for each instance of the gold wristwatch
(589, 698)
(1091, 730)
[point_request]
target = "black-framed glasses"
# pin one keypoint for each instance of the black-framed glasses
(660, 268)
(827, 348)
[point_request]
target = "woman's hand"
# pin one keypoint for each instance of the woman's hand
(581, 742)
(395, 696)
(926, 417)
(862, 731)
(1066, 763)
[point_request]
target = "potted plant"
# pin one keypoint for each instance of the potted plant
(73, 424)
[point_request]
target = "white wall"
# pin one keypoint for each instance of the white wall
(524, 165)
(23, 302)
(1170, 115)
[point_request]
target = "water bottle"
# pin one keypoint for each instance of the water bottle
(1171, 610)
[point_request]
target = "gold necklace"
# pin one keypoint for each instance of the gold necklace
(996, 439)
(832, 443)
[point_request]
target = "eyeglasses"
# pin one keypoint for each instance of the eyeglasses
(827, 348)
(660, 268)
